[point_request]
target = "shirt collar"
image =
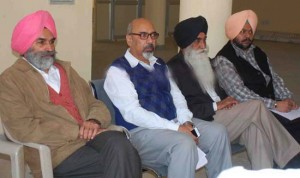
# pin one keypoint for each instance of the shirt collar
(133, 61)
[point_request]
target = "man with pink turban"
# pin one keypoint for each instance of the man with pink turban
(43, 100)
(245, 73)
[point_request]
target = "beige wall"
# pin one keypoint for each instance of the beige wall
(74, 27)
(275, 16)
(152, 9)
(155, 10)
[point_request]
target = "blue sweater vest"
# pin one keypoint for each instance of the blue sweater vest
(153, 89)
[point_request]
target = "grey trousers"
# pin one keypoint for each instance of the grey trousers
(214, 142)
(265, 139)
(174, 154)
(109, 155)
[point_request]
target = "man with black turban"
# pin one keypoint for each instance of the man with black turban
(245, 72)
(251, 122)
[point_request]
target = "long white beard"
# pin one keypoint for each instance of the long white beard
(199, 62)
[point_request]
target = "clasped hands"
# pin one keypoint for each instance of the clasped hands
(227, 103)
(286, 105)
(89, 129)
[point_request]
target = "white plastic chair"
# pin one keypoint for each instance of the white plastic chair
(44, 153)
(15, 152)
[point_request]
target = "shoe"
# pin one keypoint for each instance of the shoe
(293, 163)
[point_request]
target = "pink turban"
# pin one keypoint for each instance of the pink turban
(236, 22)
(29, 29)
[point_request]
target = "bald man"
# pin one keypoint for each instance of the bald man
(245, 73)
(43, 100)
(150, 105)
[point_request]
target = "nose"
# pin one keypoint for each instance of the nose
(247, 34)
(49, 46)
(202, 44)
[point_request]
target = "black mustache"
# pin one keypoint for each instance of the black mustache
(247, 40)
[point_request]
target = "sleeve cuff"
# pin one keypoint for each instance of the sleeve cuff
(96, 121)
(215, 106)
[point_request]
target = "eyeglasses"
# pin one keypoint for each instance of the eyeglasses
(145, 35)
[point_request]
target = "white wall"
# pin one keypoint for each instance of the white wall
(74, 28)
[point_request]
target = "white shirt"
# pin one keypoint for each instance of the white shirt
(122, 93)
(52, 78)
(215, 97)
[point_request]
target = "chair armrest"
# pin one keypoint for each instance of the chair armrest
(10, 148)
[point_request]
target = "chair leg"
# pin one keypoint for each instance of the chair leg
(16, 153)
(45, 160)
(17, 164)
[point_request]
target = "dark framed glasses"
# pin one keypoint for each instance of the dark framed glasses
(145, 35)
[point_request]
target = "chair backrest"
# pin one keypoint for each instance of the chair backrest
(100, 94)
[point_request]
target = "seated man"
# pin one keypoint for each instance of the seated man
(43, 100)
(152, 107)
(264, 137)
(245, 72)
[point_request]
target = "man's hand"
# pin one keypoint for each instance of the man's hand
(286, 105)
(89, 129)
(227, 103)
(187, 128)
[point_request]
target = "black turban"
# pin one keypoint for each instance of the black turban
(187, 31)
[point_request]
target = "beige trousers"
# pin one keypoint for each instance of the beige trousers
(265, 139)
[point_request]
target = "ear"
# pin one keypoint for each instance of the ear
(129, 40)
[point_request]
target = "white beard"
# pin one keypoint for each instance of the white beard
(199, 62)
(147, 55)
